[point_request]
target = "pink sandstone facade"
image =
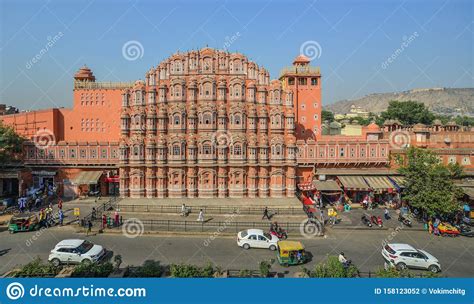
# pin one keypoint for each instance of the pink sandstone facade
(207, 124)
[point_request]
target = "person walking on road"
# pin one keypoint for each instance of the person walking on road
(61, 216)
(117, 219)
(104, 221)
(60, 204)
(265, 214)
(200, 216)
(183, 210)
(89, 227)
(386, 214)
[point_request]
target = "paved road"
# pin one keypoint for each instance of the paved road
(363, 247)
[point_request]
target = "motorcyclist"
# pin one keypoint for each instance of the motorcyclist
(342, 259)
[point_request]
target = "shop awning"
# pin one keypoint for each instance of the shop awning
(379, 182)
(327, 185)
(398, 180)
(87, 178)
(468, 191)
(353, 182)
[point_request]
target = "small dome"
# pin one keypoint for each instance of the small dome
(301, 59)
(437, 122)
(373, 127)
(139, 84)
(84, 74)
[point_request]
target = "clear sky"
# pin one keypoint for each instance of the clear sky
(42, 43)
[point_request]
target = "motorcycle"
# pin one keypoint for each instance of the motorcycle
(377, 220)
(465, 230)
(404, 220)
(281, 234)
(366, 221)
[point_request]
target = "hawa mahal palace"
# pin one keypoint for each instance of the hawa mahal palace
(204, 123)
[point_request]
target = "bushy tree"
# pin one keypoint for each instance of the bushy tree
(10, 144)
(428, 183)
(408, 112)
(327, 116)
(332, 268)
(191, 271)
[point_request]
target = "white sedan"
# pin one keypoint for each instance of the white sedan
(75, 252)
(256, 238)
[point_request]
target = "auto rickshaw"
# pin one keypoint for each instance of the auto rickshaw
(27, 222)
(448, 229)
(291, 253)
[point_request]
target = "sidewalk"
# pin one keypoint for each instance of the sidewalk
(352, 220)
(229, 202)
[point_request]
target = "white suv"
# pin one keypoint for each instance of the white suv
(75, 252)
(256, 238)
(405, 256)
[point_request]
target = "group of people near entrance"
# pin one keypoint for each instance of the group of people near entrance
(35, 197)
(48, 218)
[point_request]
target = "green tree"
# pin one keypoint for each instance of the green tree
(464, 121)
(10, 144)
(428, 183)
(327, 116)
(265, 267)
(332, 268)
(408, 112)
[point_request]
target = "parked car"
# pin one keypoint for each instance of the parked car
(257, 238)
(404, 256)
(75, 251)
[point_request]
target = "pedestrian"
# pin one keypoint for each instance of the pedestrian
(200, 216)
(386, 214)
(117, 218)
(183, 210)
(89, 227)
(334, 217)
(104, 221)
(60, 204)
(93, 213)
(109, 222)
(435, 226)
(265, 214)
(321, 215)
(61, 217)
(21, 204)
(331, 215)
(42, 217)
(37, 202)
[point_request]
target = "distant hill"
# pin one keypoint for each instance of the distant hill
(439, 100)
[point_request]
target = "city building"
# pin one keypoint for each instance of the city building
(204, 123)
(209, 123)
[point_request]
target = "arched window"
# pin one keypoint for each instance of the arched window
(237, 89)
(237, 119)
(207, 87)
(177, 90)
(176, 119)
(207, 118)
(206, 149)
(277, 150)
(237, 149)
(136, 151)
(176, 150)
